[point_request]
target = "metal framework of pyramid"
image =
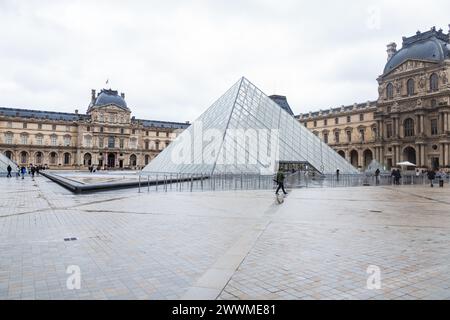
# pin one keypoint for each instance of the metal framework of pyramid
(245, 108)
(4, 162)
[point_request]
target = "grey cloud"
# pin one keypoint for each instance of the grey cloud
(173, 59)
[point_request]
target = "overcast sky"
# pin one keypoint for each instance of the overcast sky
(174, 58)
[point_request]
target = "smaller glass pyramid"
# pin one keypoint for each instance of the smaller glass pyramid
(4, 162)
(244, 131)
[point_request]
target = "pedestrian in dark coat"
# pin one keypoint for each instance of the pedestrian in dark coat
(431, 177)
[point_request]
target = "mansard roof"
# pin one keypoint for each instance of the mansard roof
(63, 116)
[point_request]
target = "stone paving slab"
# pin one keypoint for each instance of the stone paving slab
(223, 245)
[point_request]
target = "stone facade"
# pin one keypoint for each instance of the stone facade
(410, 119)
(107, 136)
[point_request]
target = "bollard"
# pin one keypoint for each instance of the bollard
(148, 183)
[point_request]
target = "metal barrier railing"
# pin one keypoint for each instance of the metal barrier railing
(222, 182)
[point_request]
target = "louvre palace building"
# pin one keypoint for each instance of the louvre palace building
(410, 119)
(106, 136)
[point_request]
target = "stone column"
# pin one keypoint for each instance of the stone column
(446, 150)
(445, 116)
(418, 153)
(423, 155)
(441, 154)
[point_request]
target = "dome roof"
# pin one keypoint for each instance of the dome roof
(110, 97)
(429, 46)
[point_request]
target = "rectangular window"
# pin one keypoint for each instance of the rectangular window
(325, 122)
(133, 131)
(315, 123)
(66, 141)
(100, 142)
(336, 121)
(349, 136)
(88, 129)
(9, 125)
(121, 143)
(39, 126)
(111, 142)
(361, 117)
(53, 140)
(434, 127)
(349, 119)
(336, 136)
(325, 137)
(87, 142)
(24, 139)
(39, 140)
(67, 128)
(54, 127)
(101, 129)
(9, 138)
(122, 131)
(25, 125)
(146, 145)
(362, 135)
(389, 130)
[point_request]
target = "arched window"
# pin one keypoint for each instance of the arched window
(434, 82)
(390, 91)
(23, 157)
(410, 86)
(87, 141)
(409, 127)
(133, 160)
(53, 158)
(38, 157)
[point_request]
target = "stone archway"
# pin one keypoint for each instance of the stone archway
(354, 156)
(23, 157)
(87, 160)
(38, 158)
(111, 160)
(9, 154)
(53, 158)
(133, 160)
(368, 157)
(409, 154)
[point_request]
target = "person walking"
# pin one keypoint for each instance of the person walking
(280, 182)
(9, 169)
(338, 172)
(33, 171)
(377, 177)
(23, 171)
(431, 177)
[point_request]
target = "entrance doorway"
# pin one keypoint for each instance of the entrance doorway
(111, 160)
(409, 154)
(121, 164)
(435, 163)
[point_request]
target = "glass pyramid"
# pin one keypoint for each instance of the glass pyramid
(244, 131)
(4, 162)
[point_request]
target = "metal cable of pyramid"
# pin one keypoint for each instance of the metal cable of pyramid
(246, 110)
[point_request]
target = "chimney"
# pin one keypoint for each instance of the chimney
(122, 95)
(391, 50)
(93, 95)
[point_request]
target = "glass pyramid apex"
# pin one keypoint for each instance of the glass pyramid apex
(245, 131)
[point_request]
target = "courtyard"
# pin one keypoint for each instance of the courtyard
(228, 245)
